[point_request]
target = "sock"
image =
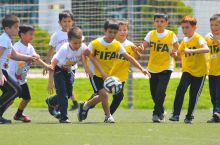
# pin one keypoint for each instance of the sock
(85, 106)
(19, 113)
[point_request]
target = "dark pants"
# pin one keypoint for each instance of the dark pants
(158, 86)
(10, 90)
(117, 98)
(63, 81)
(196, 85)
(214, 89)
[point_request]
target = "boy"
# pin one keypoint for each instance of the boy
(213, 41)
(66, 21)
(18, 69)
(105, 50)
(162, 43)
(10, 89)
(68, 55)
(192, 52)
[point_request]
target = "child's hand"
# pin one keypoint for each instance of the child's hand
(45, 71)
(49, 67)
(146, 72)
(104, 76)
(138, 47)
(50, 87)
(173, 53)
(188, 51)
(215, 37)
(2, 80)
(88, 72)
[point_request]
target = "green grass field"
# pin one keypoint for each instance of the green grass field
(133, 127)
(141, 93)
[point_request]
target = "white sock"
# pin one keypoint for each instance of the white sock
(85, 106)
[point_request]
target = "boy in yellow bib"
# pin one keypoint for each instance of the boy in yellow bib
(192, 52)
(161, 43)
(213, 41)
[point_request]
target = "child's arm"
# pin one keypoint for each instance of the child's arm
(50, 79)
(45, 65)
(137, 54)
(173, 52)
(203, 49)
(136, 64)
(49, 57)
(85, 65)
(18, 56)
(2, 77)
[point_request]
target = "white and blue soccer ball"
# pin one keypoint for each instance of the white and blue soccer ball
(112, 85)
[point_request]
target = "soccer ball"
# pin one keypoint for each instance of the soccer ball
(112, 85)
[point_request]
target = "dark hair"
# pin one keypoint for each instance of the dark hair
(215, 17)
(9, 21)
(161, 15)
(189, 19)
(65, 14)
(111, 24)
(25, 28)
(75, 32)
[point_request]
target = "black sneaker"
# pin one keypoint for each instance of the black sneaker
(211, 120)
(74, 106)
(174, 118)
(4, 121)
(162, 117)
(216, 117)
(156, 119)
(82, 114)
(188, 120)
(65, 121)
(52, 110)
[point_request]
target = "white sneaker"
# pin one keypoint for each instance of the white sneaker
(109, 119)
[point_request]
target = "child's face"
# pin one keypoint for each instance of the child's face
(13, 30)
(160, 24)
(110, 34)
(122, 32)
(188, 29)
(66, 23)
(215, 27)
(28, 36)
(75, 43)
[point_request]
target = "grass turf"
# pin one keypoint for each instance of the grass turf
(141, 93)
(133, 127)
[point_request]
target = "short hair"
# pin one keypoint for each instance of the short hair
(65, 14)
(161, 15)
(189, 19)
(123, 22)
(25, 28)
(215, 17)
(9, 21)
(111, 24)
(74, 33)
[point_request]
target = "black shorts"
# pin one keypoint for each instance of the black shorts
(97, 83)
(25, 93)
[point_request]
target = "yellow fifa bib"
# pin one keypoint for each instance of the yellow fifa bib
(214, 57)
(105, 55)
(160, 58)
(121, 65)
(195, 64)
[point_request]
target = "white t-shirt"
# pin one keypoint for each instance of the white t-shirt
(160, 35)
(5, 42)
(18, 69)
(67, 57)
(57, 40)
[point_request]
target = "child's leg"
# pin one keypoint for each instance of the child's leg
(70, 83)
(180, 92)
(194, 93)
(117, 100)
(163, 79)
(213, 90)
(11, 90)
(217, 102)
(25, 95)
(153, 85)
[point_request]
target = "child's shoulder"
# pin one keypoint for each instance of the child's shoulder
(5, 37)
(127, 43)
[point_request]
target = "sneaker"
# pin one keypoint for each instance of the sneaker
(216, 117)
(212, 120)
(74, 107)
(82, 114)
(4, 121)
(109, 119)
(156, 119)
(65, 121)
(22, 118)
(162, 117)
(188, 120)
(174, 118)
(52, 110)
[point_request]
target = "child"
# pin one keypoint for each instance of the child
(66, 21)
(192, 52)
(161, 43)
(213, 41)
(10, 89)
(105, 50)
(68, 55)
(18, 69)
